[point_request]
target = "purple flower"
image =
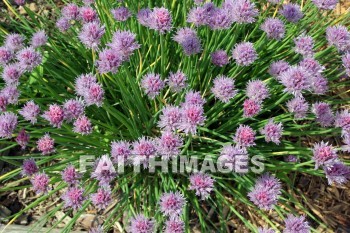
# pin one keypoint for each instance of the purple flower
(160, 20)
(219, 58)
(168, 145)
(189, 41)
(55, 115)
(174, 225)
(243, 11)
(142, 224)
(277, 68)
(46, 145)
(3, 102)
(124, 42)
(83, 83)
(192, 116)
(228, 156)
(220, 18)
(251, 108)
(20, 2)
(199, 15)
(319, 84)
(170, 118)
(304, 45)
(244, 136)
(298, 106)
(38, 39)
(121, 13)
(323, 113)
(120, 152)
(152, 84)
(324, 154)
(224, 88)
(144, 16)
(14, 41)
(171, 204)
(104, 171)
(30, 111)
(70, 175)
(272, 132)
(274, 28)
(73, 198)
(202, 184)
(291, 12)
(177, 81)
(194, 97)
(346, 141)
(8, 123)
(296, 224)
(339, 36)
(295, 80)
(82, 125)
(22, 139)
(6, 55)
(325, 4)
(87, 14)
(342, 120)
(63, 24)
(257, 90)
(29, 167)
(40, 182)
(91, 34)
(291, 159)
(94, 95)
(72, 109)
(70, 11)
(337, 173)
(143, 150)
(244, 54)
(345, 60)
(312, 66)
(102, 198)
(28, 58)
(266, 230)
(11, 93)
(11, 74)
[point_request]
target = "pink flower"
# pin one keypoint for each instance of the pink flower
(22, 139)
(251, 108)
(82, 125)
(55, 115)
(40, 182)
(102, 198)
(46, 145)
(73, 198)
(202, 183)
(244, 136)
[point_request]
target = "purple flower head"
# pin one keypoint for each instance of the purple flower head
(220, 18)
(291, 12)
(325, 4)
(272, 132)
(141, 224)
(304, 45)
(63, 24)
(189, 41)
(319, 84)
(324, 154)
(257, 90)
(73, 198)
(11, 93)
(20, 2)
(160, 20)
(11, 74)
(192, 116)
(70, 175)
(346, 63)
(82, 125)
(244, 54)
(6, 55)
(14, 41)
(228, 156)
(152, 84)
(88, 14)
(29, 167)
(298, 106)
(94, 95)
(120, 152)
(124, 42)
(291, 159)
(269, 181)
(70, 11)
(177, 81)
(244, 136)
(28, 58)
(143, 150)
(339, 36)
(323, 113)
(174, 225)
(199, 16)
(274, 28)
(91, 34)
(194, 97)
(55, 115)
(102, 198)
(83, 83)
(202, 184)
(243, 11)
(312, 66)
(22, 139)
(3, 102)
(39, 39)
(40, 182)
(144, 17)
(219, 58)
(171, 204)
(295, 80)
(295, 224)
(30, 111)
(266, 230)
(170, 118)
(337, 173)
(121, 13)
(342, 120)
(251, 108)
(224, 88)
(73, 108)
(168, 145)
(277, 68)
(104, 171)
(46, 145)
(346, 141)
(8, 123)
